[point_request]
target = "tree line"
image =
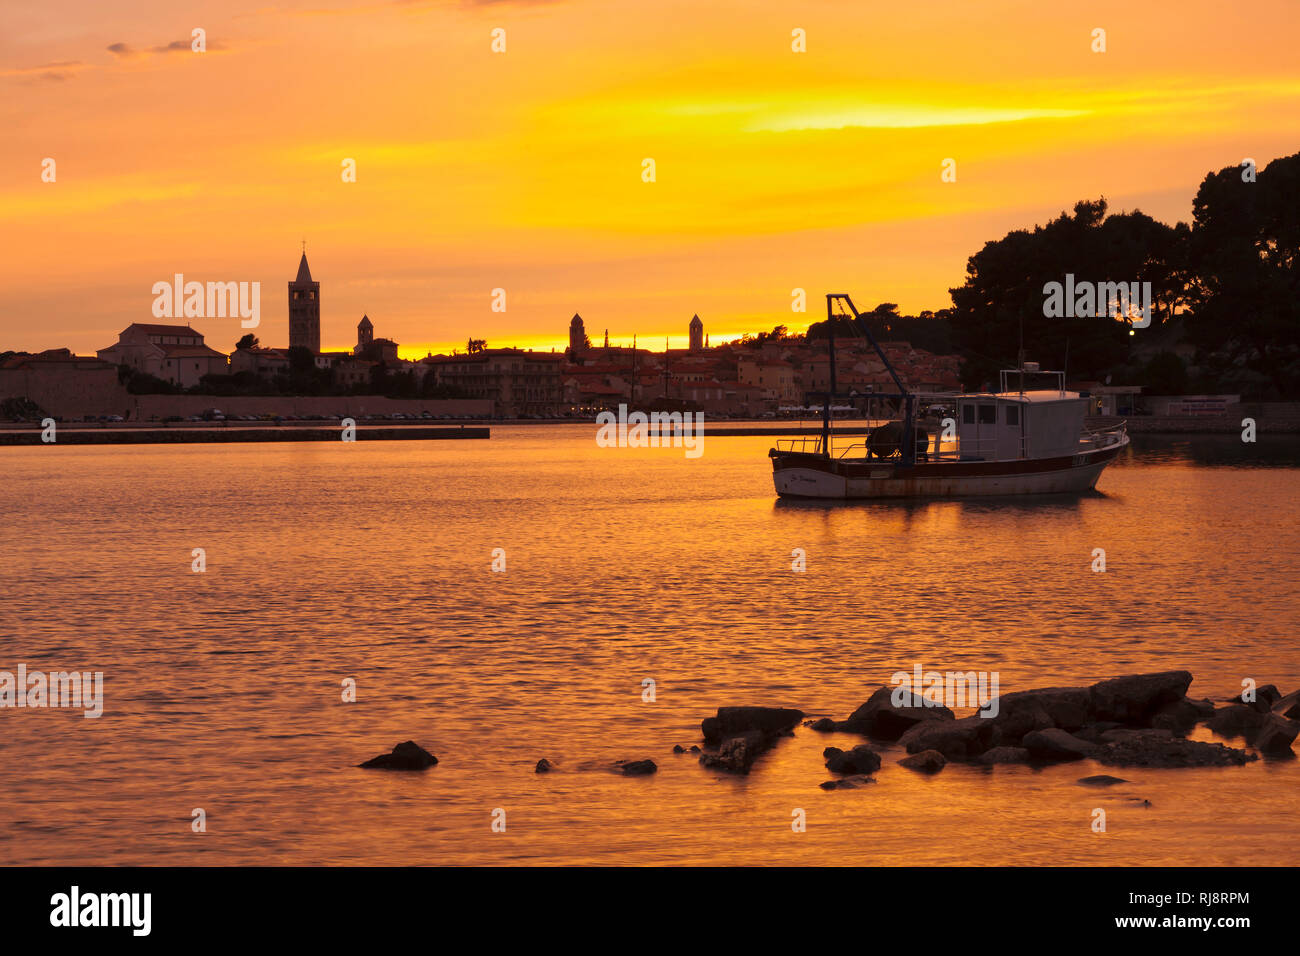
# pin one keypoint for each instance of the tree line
(1225, 295)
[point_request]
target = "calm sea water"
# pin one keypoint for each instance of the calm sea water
(372, 561)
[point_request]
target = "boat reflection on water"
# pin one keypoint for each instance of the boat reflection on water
(1003, 503)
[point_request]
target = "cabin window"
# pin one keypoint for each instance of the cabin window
(1013, 415)
(968, 414)
(988, 414)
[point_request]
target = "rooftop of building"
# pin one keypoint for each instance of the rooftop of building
(304, 272)
(149, 328)
(54, 357)
(191, 351)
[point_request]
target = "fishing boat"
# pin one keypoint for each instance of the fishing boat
(1027, 438)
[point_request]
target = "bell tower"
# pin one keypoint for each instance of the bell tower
(577, 337)
(304, 310)
(697, 334)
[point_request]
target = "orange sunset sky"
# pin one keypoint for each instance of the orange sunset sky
(523, 170)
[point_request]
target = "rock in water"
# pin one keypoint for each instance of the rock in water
(824, 726)
(1275, 736)
(1156, 748)
(737, 754)
(847, 783)
(963, 739)
(995, 755)
(1056, 744)
(1093, 732)
(543, 766)
(637, 768)
(1289, 706)
(927, 761)
(1137, 698)
(1018, 713)
(1121, 734)
(860, 760)
(1181, 715)
(879, 718)
(1100, 780)
(742, 734)
(1265, 698)
(731, 721)
(405, 756)
(1236, 720)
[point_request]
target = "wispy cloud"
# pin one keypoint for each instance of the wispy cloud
(378, 6)
(896, 116)
(48, 72)
(125, 51)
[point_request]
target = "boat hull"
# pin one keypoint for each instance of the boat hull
(807, 475)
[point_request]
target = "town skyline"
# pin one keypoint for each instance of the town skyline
(757, 375)
(272, 333)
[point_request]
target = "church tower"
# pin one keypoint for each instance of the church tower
(365, 333)
(577, 338)
(304, 310)
(697, 335)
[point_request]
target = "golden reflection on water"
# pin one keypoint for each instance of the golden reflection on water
(373, 562)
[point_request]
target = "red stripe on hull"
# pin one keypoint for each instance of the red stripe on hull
(955, 469)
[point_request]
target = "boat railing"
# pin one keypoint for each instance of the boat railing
(970, 449)
(997, 448)
(935, 449)
(809, 444)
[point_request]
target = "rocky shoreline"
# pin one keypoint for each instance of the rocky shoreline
(1139, 720)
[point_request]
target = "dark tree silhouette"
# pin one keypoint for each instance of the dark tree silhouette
(1003, 296)
(1245, 290)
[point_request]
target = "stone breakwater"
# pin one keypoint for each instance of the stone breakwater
(271, 433)
(1139, 720)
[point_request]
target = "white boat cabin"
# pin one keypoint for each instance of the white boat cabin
(1007, 425)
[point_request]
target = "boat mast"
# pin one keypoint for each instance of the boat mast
(907, 399)
(826, 405)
